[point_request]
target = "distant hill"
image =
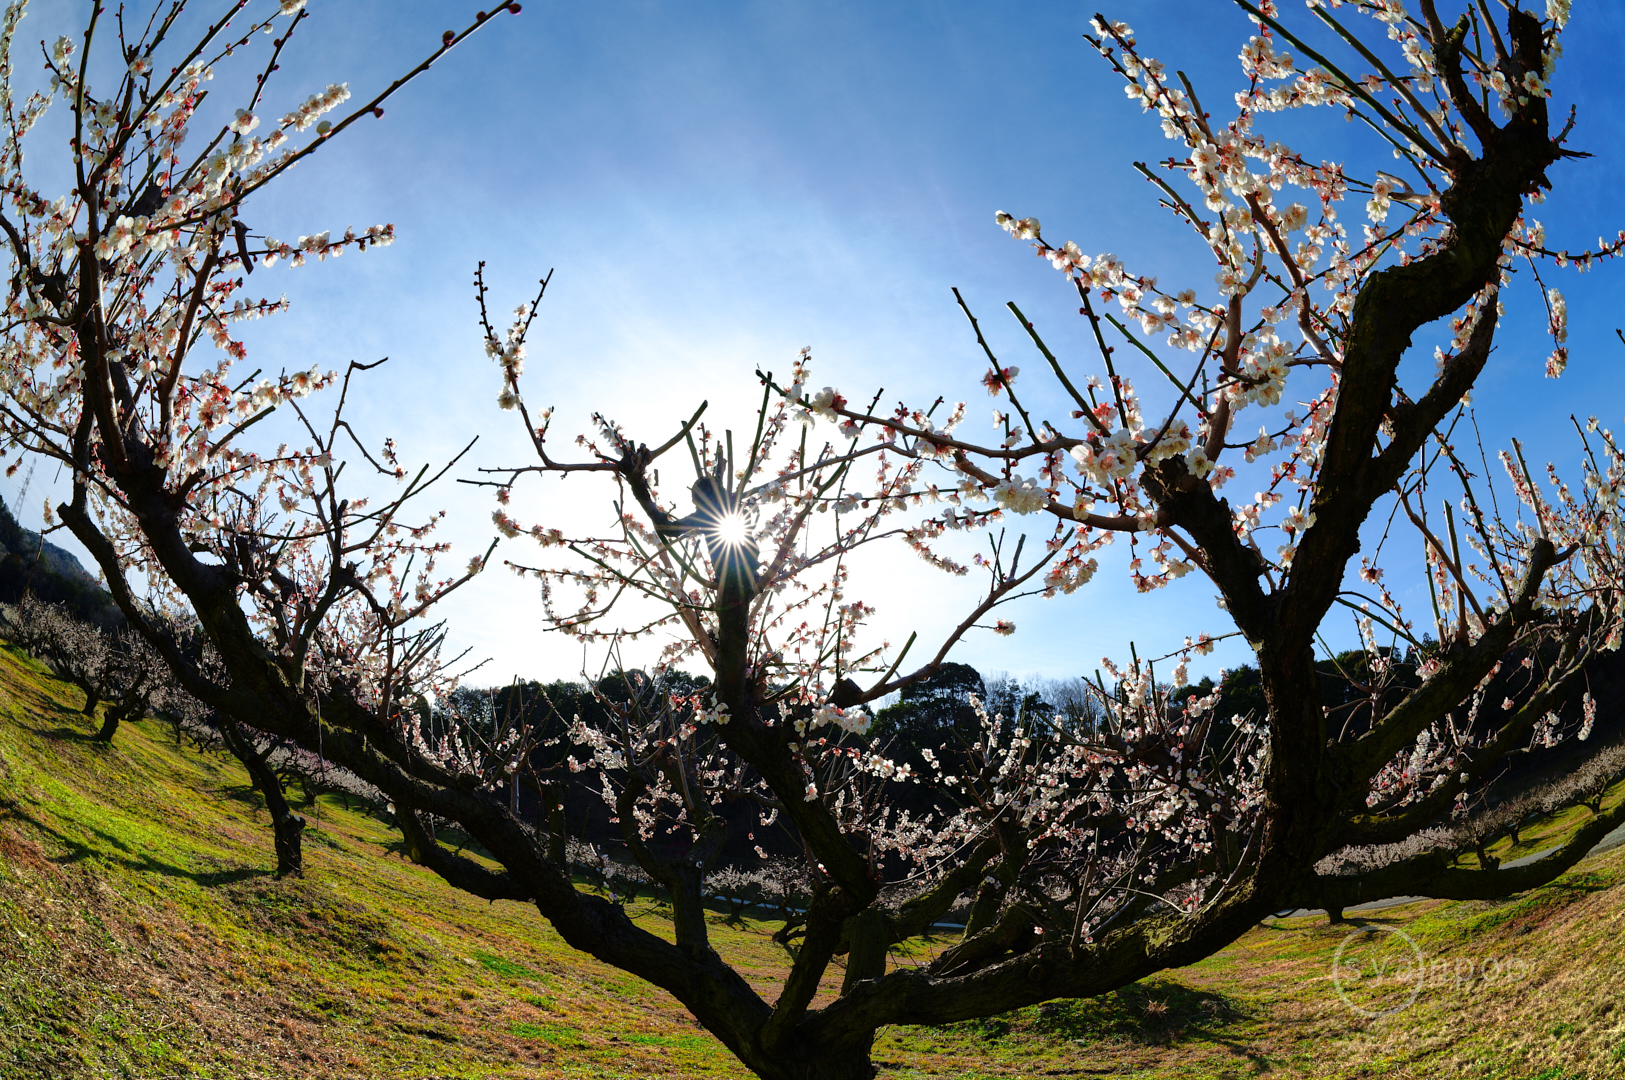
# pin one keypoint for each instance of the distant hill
(50, 572)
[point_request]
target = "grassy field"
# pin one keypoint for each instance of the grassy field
(142, 935)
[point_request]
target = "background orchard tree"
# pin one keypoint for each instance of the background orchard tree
(120, 363)
(123, 676)
(1091, 856)
(85, 655)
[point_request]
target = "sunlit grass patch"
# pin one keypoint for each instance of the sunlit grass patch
(557, 1034)
(506, 968)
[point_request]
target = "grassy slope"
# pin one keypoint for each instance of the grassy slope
(141, 935)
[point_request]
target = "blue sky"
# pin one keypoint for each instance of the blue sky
(719, 184)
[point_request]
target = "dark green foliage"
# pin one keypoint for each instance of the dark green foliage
(934, 714)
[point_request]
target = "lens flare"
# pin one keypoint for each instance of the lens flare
(733, 530)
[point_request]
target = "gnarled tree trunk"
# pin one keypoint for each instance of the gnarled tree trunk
(110, 722)
(117, 714)
(287, 826)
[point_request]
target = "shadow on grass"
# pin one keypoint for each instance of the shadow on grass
(448, 840)
(118, 852)
(67, 734)
(245, 793)
(1357, 921)
(1318, 923)
(1153, 1013)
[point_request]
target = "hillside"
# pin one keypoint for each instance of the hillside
(143, 936)
(31, 564)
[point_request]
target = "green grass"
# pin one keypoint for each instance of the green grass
(143, 936)
(506, 968)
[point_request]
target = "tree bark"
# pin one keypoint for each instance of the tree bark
(110, 723)
(866, 958)
(823, 1065)
(287, 827)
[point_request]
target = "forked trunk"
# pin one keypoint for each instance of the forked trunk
(127, 710)
(287, 827)
(833, 1057)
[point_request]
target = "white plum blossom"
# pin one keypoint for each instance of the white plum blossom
(825, 402)
(1559, 329)
(311, 111)
(856, 720)
(1020, 496)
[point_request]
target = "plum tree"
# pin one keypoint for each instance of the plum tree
(1089, 855)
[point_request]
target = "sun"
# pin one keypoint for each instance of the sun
(732, 529)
